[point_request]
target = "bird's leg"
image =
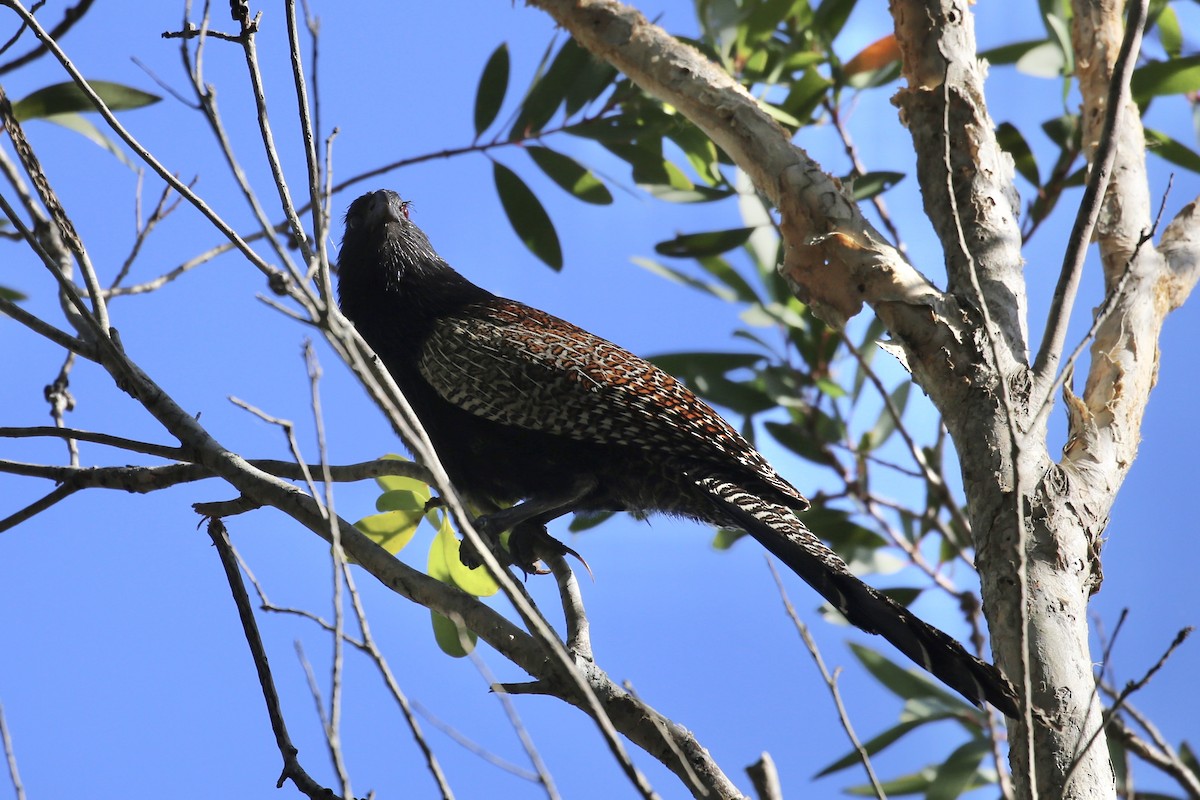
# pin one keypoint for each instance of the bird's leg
(541, 509)
(527, 521)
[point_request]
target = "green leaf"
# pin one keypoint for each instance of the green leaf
(806, 94)
(914, 783)
(12, 294)
(830, 16)
(404, 499)
(451, 638)
(700, 151)
(801, 442)
(885, 425)
(1060, 31)
(831, 388)
(678, 276)
(959, 772)
(1188, 757)
(1011, 53)
(1011, 140)
(743, 398)
(549, 91)
(391, 530)
(1167, 148)
(402, 482)
(1156, 78)
(683, 194)
(595, 77)
(725, 538)
(1170, 34)
(493, 85)
(1118, 756)
(763, 20)
(723, 271)
(398, 482)
(527, 216)
(875, 77)
(710, 243)
(1047, 60)
(877, 744)
(83, 126)
(477, 581)
(64, 98)
(570, 175)
(586, 520)
(862, 548)
(706, 373)
(867, 186)
(909, 684)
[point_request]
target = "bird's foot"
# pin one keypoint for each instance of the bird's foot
(527, 544)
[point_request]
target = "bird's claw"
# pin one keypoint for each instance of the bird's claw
(525, 542)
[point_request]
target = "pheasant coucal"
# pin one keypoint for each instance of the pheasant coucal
(522, 406)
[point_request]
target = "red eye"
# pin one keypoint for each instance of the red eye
(404, 204)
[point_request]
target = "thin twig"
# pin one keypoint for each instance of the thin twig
(47, 331)
(1168, 762)
(162, 210)
(58, 395)
(289, 431)
(10, 755)
(473, 747)
(291, 765)
(250, 48)
(1130, 688)
(1158, 752)
(338, 556)
(53, 204)
(1106, 309)
(309, 135)
(141, 152)
(369, 647)
(860, 168)
(206, 98)
(132, 445)
(38, 506)
(830, 681)
(71, 15)
(510, 710)
(1093, 197)
(932, 476)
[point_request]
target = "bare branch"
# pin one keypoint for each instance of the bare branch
(292, 770)
(510, 710)
(71, 15)
(830, 681)
(1089, 207)
(271, 272)
(58, 214)
(765, 778)
(10, 756)
(368, 646)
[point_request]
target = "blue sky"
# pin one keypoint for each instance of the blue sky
(124, 665)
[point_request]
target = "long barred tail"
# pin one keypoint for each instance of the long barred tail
(777, 528)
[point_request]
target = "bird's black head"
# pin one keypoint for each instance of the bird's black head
(387, 263)
(381, 240)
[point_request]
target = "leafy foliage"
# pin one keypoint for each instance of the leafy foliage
(403, 504)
